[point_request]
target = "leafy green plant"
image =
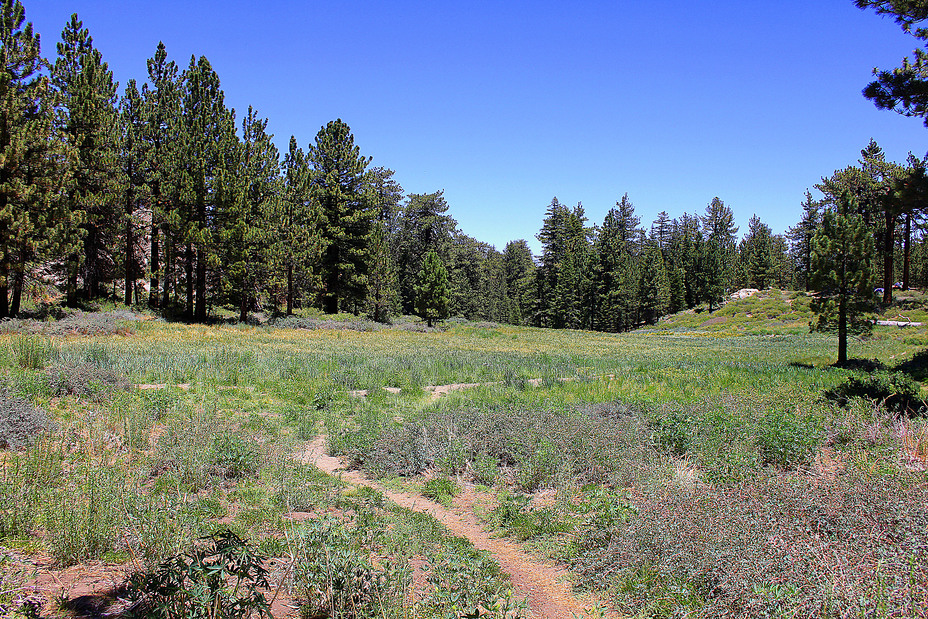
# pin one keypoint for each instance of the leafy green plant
(335, 578)
(221, 577)
(468, 585)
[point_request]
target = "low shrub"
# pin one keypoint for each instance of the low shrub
(853, 545)
(84, 379)
(787, 440)
(896, 391)
(20, 421)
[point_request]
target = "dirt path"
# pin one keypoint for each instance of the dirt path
(545, 586)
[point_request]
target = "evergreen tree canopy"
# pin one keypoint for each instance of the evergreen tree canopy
(903, 89)
(35, 168)
(338, 180)
(842, 252)
(433, 291)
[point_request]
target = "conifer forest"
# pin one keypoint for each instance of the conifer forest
(157, 193)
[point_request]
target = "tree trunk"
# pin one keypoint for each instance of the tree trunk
(155, 266)
(289, 289)
(906, 250)
(130, 245)
(842, 329)
(188, 309)
(889, 236)
(73, 266)
(200, 312)
(4, 288)
(19, 277)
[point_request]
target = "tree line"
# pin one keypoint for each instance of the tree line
(159, 194)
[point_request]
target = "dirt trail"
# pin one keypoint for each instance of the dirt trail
(545, 586)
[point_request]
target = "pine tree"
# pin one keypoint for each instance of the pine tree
(654, 294)
(90, 125)
(756, 255)
(163, 133)
(297, 243)
(519, 266)
(209, 135)
(134, 175)
(338, 178)
(800, 237)
(34, 164)
(433, 292)
(382, 288)
(247, 233)
(615, 272)
(423, 225)
(842, 250)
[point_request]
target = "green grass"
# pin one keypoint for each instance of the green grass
(703, 416)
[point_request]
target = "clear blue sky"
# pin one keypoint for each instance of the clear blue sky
(507, 104)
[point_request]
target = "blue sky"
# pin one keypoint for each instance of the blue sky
(505, 105)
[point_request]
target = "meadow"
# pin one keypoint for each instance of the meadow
(713, 465)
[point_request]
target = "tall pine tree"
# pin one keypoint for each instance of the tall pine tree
(338, 178)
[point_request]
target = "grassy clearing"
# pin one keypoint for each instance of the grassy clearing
(698, 467)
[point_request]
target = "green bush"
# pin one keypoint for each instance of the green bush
(787, 440)
(896, 391)
(222, 577)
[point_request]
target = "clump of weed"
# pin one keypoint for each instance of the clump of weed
(400, 450)
(20, 421)
(896, 391)
(469, 585)
(849, 546)
(441, 490)
(485, 469)
(84, 379)
(514, 515)
(34, 352)
(672, 431)
(233, 456)
(83, 521)
(92, 323)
